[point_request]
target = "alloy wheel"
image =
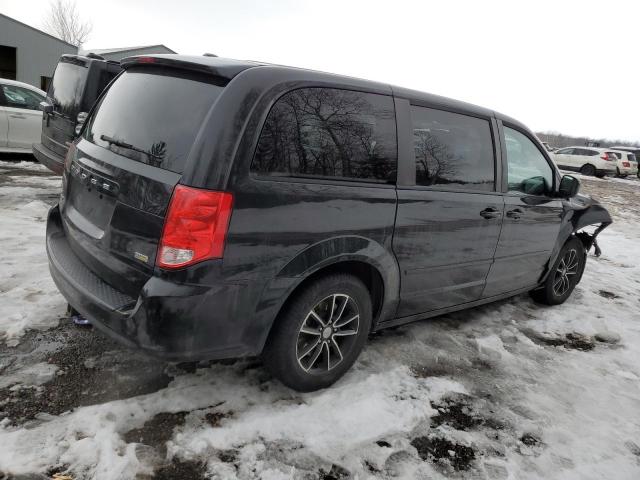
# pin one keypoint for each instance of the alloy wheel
(328, 333)
(568, 267)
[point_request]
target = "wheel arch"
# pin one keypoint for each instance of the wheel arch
(367, 260)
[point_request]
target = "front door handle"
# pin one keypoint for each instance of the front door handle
(490, 212)
(516, 213)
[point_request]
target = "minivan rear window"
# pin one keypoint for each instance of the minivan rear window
(152, 116)
(67, 88)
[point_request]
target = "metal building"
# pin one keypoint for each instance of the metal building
(27, 54)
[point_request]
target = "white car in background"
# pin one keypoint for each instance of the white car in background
(627, 162)
(20, 116)
(587, 160)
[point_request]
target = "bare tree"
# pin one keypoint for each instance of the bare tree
(63, 21)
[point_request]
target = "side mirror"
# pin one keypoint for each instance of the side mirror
(569, 186)
(46, 107)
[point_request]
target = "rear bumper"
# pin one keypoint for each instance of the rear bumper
(628, 170)
(48, 158)
(168, 320)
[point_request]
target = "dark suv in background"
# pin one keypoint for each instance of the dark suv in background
(214, 208)
(77, 82)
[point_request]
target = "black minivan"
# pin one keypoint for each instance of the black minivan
(214, 208)
(77, 83)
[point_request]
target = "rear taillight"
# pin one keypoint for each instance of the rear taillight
(195, 227)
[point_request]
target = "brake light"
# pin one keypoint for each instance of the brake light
(195, 227)
(145, 60)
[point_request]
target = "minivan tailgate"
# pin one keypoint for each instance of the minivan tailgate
(113, 214)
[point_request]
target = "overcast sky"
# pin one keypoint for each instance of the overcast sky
(568, 66)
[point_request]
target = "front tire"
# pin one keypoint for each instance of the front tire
(320, 334)
(565, 274)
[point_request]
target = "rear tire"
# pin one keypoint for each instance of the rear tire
(565, 274)
(588, 170)
(320, 333)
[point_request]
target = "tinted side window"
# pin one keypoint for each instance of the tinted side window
(18, 97)
(452, 149)
(528, 170)
(323, 132)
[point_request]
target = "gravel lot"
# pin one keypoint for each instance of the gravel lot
(508, 390)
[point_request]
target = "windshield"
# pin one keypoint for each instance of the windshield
(152, 117)
(67, 88)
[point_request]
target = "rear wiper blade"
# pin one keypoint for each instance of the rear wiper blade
(128, 146)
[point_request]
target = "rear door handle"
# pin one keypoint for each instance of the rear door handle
(490, 212)
(516, 213)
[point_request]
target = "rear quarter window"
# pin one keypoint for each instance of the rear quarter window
(153, 116)
(329, 133)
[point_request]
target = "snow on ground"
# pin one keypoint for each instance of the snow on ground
(28, 296)
(511, 390)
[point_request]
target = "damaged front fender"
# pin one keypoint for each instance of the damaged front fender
(579, 212)
(585, 211)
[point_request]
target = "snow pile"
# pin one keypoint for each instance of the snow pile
(28, 296)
